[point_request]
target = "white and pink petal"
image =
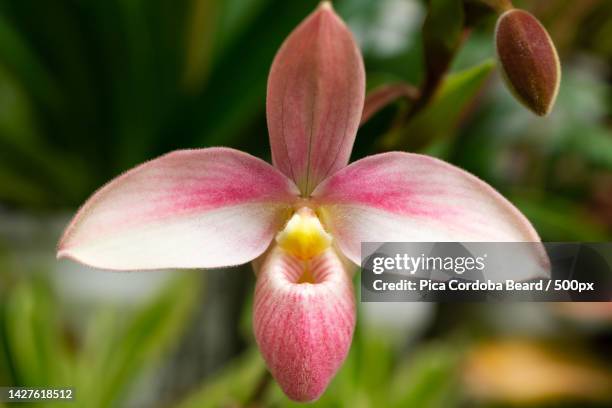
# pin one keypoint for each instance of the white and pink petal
(410, 197)
(187, 209)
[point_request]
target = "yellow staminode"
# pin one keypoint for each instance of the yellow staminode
(304, 235)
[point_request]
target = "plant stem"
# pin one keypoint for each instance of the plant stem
(255, 400)
(433, 80)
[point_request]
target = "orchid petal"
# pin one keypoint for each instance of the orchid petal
(304, 330)
(187, 209)
(414, 198)
(316, 90)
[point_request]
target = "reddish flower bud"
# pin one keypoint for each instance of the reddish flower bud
(529, 60)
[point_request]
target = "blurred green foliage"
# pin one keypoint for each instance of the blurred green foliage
(89, 88)
(100, 362)
(373, 375)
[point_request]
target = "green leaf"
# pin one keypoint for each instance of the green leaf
(594, 143)
(374, 364)
(142, 340)
(97, 348)
(17, 189)
(557, 219)
(237, 15)
(213, 26)
(200, 42)
(24, 63)
(232, 386)
(442, 34)
(139, 100)
(236, 89)
(34, 337)
(439, 120)
(31, 170)
(6, 371)
(429, 379)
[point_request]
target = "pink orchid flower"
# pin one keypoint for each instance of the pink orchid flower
(301, 220)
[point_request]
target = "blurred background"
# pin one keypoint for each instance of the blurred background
(90, 88)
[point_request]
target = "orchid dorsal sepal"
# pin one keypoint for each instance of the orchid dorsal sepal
(316, 90)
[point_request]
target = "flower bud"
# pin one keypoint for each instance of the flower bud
(529, 60)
